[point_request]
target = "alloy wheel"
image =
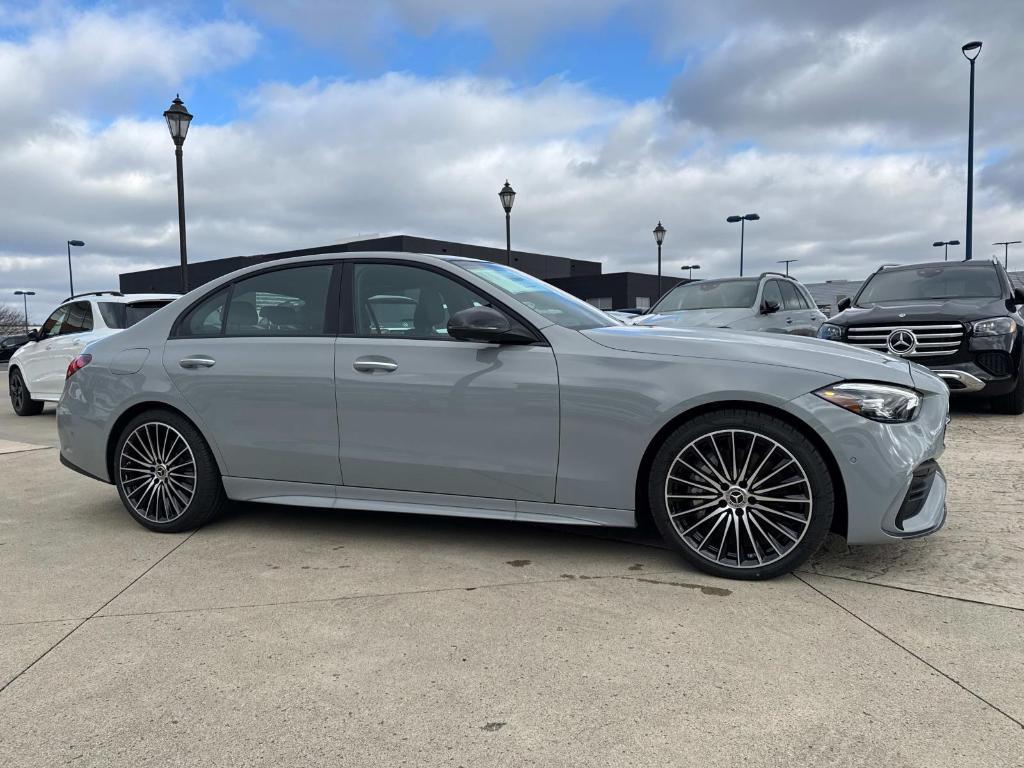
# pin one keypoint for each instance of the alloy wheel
(738, 498)
(17, 392)
(157, 472)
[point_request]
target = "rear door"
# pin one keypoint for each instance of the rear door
(255, 360)
(799, 315)
(60, 347)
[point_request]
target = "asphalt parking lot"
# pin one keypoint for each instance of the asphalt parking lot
(281, 636)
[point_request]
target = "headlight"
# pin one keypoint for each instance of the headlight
(878, 402)
(830, 332)
(994, 326)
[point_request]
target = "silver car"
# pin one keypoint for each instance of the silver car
(490, 393)
(771, 302)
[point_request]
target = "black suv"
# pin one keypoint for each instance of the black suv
(961, 319)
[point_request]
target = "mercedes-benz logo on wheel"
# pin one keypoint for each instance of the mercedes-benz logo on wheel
(736, 497)
(902, 342)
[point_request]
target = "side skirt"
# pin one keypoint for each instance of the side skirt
(415, 503)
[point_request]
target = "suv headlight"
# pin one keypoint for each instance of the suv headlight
(830, 332)
(878, 402)
(994, 326)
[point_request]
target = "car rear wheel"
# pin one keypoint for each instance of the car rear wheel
(21, 400)
(166, 474)
(741, 494)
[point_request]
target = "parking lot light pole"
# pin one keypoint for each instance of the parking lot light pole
(689, 270)
(24, 297)
(178, 119)
(968, 49)
(1006, 251)
(787, 262)
(743, 222)
(946, 244)
(71, 279)
(507, 195)
(659, 238)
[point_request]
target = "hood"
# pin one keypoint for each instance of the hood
(891, 312)
(829, 357)
(689, 318)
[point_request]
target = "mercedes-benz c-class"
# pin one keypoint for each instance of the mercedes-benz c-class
(450, 386)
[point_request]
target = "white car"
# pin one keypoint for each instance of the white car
(38, 369)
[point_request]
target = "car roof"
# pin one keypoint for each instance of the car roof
(128, 298)
(933, 264)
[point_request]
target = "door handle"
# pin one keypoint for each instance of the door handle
(374, 364)
(199, 361)
(789, 320)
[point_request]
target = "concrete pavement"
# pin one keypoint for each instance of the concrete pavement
(282, 636)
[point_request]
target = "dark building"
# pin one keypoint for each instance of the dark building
(166, 279)
(617, 290)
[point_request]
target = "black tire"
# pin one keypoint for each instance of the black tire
(154, 479)
(21, 398)
(752, 544)
(1012, 403)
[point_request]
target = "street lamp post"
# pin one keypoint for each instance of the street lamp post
(71, 279)
(946, 244)
(787, 262)
(178, 119)
(659, 238)
(969, 48)
(24, 297)
(689, 270)
(743, 222)
(507, 195)
(1006, 251)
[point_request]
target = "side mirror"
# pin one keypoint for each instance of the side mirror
(33, 335)
(844, 304)
(1018, 297)
(768, 307)
(487, 325)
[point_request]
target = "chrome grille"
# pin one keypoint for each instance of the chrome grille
(933, 339)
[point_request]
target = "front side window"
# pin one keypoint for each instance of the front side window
(408, 301)
(54, 322)
(284, 302)
(790, 296)
(543, 298)
(772, 294)
(938, 282)
(710, 294)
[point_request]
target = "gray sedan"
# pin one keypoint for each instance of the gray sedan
(485, 392)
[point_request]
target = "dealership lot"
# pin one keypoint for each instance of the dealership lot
(285, 636)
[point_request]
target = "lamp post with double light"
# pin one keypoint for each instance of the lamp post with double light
(24, 297)
(742, 219)
(178, 119)
(1006, 251)
(787, 262)
(946, 244)
(689, 270)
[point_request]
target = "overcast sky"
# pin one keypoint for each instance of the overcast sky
(844, 125)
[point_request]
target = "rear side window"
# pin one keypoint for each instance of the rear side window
(285, 302)
(790, 297)
(206, 318)
(116, 315)
(78, 320)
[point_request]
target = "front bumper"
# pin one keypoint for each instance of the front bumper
(880, 462)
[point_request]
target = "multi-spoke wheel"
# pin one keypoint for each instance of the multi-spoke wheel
(21, 400)
(741, 494)
(165, 473)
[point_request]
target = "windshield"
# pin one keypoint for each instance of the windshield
(543, 298)
(709, 294)
(941, 282)
(126, 315)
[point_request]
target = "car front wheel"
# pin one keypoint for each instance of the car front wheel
(21, 400)
(166, 474)
(741, 494)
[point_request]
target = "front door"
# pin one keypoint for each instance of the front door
(255, 360)
(420, 411)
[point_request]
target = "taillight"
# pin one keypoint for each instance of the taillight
(78, 364)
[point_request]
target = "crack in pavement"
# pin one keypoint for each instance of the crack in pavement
(904, 648)
(81, 623)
